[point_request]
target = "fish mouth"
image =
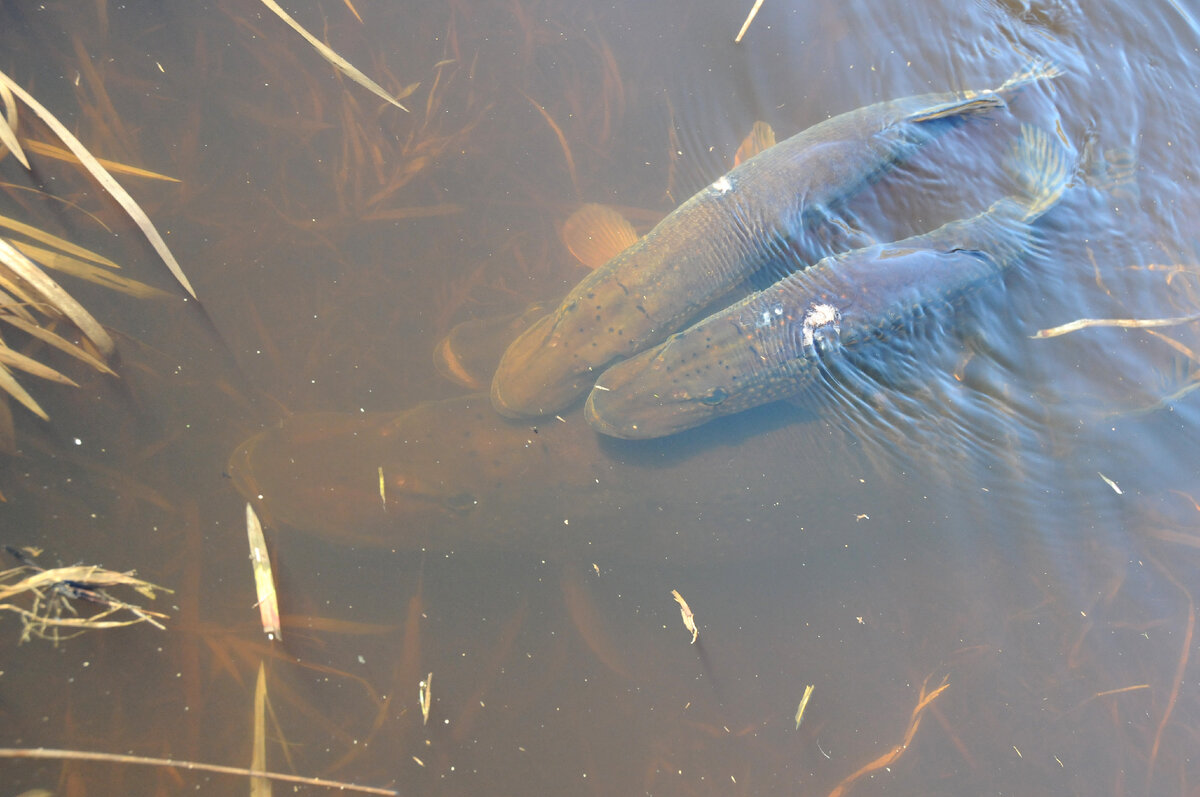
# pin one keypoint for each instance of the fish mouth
(535, 376)
(628, 402)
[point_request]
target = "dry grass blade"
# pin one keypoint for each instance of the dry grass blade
(58, 153)
(60, 590)
(14, 359)
(89, 273)
(10, 385)
(264, 580)
(51, 754)
(1124, 323)
(749, 18)
(61, 244)
(562, 139)
(260, 786)
(688, 617)
(342, 64)
(101, 175)
(8, 127)
(51, 339)
(56, 296)
(425, 697)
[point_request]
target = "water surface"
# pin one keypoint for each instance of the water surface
(959, 527)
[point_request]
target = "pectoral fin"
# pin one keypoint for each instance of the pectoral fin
(761, 137)
(596, 234)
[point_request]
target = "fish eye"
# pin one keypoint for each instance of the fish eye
(714, 398)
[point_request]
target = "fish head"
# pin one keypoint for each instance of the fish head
(749, 355)
(554, 362)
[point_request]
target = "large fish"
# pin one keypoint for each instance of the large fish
(775, 343)
(775, 204)
(454, 476)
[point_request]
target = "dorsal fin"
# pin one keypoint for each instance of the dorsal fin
(761, 137)
(596, 234)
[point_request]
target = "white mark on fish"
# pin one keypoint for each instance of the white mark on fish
(821, 315)
(765, 319)
(723, 186)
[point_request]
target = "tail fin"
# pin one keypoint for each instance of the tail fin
(1036, 70)
(983, 101)
(1043, 166)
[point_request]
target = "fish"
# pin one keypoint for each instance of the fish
(826, 320)
(781, 200)
(454, 476)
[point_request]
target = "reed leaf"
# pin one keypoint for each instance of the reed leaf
(62, 301)
(101, 175)
(347, 68)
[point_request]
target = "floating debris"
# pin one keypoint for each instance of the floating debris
(425, 698)
(264, 579)
(685, 611)
(749, 18)
(808, 690)
(1110, 483)
(1125, 323)
(60, 590)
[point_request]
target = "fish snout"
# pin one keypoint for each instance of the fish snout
(536, 376)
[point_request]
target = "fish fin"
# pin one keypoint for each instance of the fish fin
(1043, 166)
(978, 103)
(981, 101)
(1036, 70)
(596, 234)
(760, 138)
(1114, 171)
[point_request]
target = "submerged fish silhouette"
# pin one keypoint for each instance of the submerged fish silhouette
(453, 475)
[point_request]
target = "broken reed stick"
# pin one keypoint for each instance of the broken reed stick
(49, 753)
(749, 18)
(1125, 323)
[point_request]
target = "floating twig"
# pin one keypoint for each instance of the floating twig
(425, 697)
(808, 690)
(749, 18)
(49, 753)
(1125, 323)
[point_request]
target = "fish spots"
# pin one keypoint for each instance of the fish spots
(723, 186)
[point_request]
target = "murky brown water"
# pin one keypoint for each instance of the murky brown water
(333, 242)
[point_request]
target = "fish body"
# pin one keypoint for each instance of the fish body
(769, 209)
(775, 343)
